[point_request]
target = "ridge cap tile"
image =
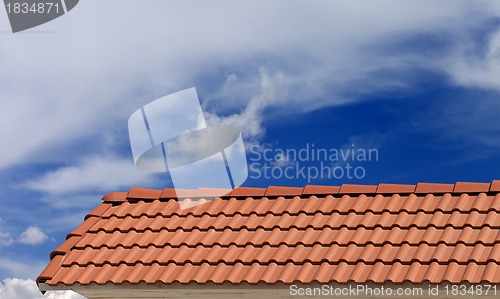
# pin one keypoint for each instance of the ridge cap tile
(319, 189)
(248, 192)
(212, 192)
(495, 186)
(471, 187)
(434, 188)
(168, 193)
(185, 193)
(283, 191)
(143, 193)
(395, 188)
(357, 189)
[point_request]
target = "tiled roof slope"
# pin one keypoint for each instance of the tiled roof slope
(385, 233)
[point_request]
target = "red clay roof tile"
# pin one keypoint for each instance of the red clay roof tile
(283, 191)
(463, 187)
(212, 192)
(168, 193)
(320, 190)
(99, 210)
(357, 189)
(49, 272)
(248, 192)
(185, 193)
(65, 247)
(395, 188)
(495, 186)
(83, 228)
(434, 188)
(143, 193)
(312, 234)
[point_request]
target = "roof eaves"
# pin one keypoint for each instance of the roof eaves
(51, 269)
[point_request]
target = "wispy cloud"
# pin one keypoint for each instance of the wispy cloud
(32, 236)
(5, 239)
(326, 61)
(94, 174)
(272, 91)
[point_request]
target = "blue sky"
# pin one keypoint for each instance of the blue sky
(419, 83)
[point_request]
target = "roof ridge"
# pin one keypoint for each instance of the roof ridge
(137, 193)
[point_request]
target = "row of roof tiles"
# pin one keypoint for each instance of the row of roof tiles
(300, 254)
(275, 191)
(308, 205)
(317, 221)
(126, 231)
(291, 237)
(273, 273)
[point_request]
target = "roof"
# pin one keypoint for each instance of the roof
(318, 234)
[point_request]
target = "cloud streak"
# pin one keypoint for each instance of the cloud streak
(320, 59)
(95, 174)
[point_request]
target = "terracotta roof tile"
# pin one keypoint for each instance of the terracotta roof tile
(50, 271)
(395, 188)
(320, 190)
(185, 193)
(212, 192)
(249, 192)
(462, 187)
(495, 186)
(283, 191)
(384, 233)
(357, 189)
(142, 193)
(434, 188)
(65, 247)
(99, 210)
(168, 193)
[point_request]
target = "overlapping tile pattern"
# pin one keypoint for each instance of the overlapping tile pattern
(385, 233)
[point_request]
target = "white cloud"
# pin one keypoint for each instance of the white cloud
(14, 288)
(90, 176)
(272, 91)
(87, 81)
(5, 239)
(32, 236)
(470, 67)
